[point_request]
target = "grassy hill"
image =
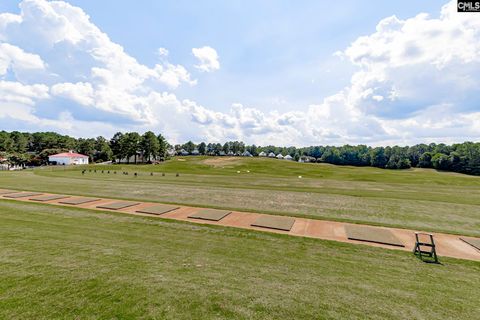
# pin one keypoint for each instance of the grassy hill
(67, 263)
(415, 198)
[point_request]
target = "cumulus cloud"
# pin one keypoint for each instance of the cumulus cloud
(410, 86)
(18, 60)
(80, 92)
(207, 59)
(14, 92)
(413, 64)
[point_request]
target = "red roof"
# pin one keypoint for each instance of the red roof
(69, 155)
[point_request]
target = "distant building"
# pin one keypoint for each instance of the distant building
(288, 157)
(279, 156)
(183, 152)
(221, 153)
(262, 154)
(171, 152)
(195, 152)
(271, 155)
(246, 154)
(230, 153)
(68, 158)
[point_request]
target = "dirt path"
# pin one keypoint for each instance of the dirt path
(447, 245)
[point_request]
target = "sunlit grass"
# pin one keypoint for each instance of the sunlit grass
(66, 263)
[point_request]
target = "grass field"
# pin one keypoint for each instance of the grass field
(66, 263)
(416, 198)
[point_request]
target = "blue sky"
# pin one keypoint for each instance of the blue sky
(275, 54)
(288, 72)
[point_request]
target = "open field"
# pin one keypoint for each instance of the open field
(417, 198)
(70, 263)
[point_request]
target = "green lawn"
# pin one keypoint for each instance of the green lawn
(66, 263)
(417, 198)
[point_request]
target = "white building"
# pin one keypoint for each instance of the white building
(271, 155)
(279, 156)
(262, 154)
(288, 157)
(68, 158)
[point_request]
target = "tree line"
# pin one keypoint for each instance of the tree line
(460, 157)
(23, 148)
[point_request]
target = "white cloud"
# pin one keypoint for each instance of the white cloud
(162, 52)
(80, 92)
(416, 63)
(207, 59)
(17, 59)
(173, 75)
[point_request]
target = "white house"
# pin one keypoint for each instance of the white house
(262, 154)
(68, 158)
(288, 157)
(246, 154)
(271, 155)
(279, 156)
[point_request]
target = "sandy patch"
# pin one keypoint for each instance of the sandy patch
(222, 161)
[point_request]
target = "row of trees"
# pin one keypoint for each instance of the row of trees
(34, 148)
(462, 157)
(216, 148)
(23, 148)
(131, 144)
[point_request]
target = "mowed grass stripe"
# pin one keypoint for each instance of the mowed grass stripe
(111, 265)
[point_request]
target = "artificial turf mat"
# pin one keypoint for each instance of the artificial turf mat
(158, 209)
(270, 222)
(375, 235)
(77, 201)
(210, 214)
(118, 205)
(22, 195)
(473, 242)
(49, 197)
(2, 192)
